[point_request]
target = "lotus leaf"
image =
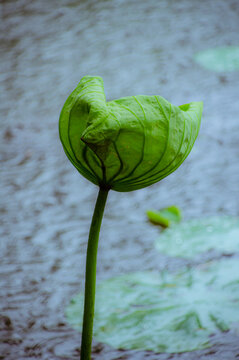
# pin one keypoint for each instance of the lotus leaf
(129, 143)
(165, 312)
(198, 236)
(165, 217)
(219, 59)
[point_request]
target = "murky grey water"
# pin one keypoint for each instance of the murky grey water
(138, 47)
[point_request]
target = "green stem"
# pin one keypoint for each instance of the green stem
(90, 276)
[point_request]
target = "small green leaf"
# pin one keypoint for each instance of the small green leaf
(197, 236)
(165, 312)
(219, 59)
(165, 217)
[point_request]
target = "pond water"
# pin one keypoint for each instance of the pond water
(46, 206)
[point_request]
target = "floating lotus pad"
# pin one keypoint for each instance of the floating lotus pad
(165, 312)
(219, 59)
(197, 236)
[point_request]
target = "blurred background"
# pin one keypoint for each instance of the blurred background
(138, 47)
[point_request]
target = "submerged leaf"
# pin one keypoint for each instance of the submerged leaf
(129, 143)
(197, 236)
(219, 59)
(165, 312)
(165, 217)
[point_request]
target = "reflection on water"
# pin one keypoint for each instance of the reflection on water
(138, 48)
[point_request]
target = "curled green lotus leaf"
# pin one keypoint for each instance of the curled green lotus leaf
(129, 143)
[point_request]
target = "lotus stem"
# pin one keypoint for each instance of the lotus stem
(90, 275)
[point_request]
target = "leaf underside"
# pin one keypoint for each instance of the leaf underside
(129, 143)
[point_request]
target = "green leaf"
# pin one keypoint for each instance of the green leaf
(165, 312)
(219, 59)
(198, 236)
(165, 217)
(129, 143)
